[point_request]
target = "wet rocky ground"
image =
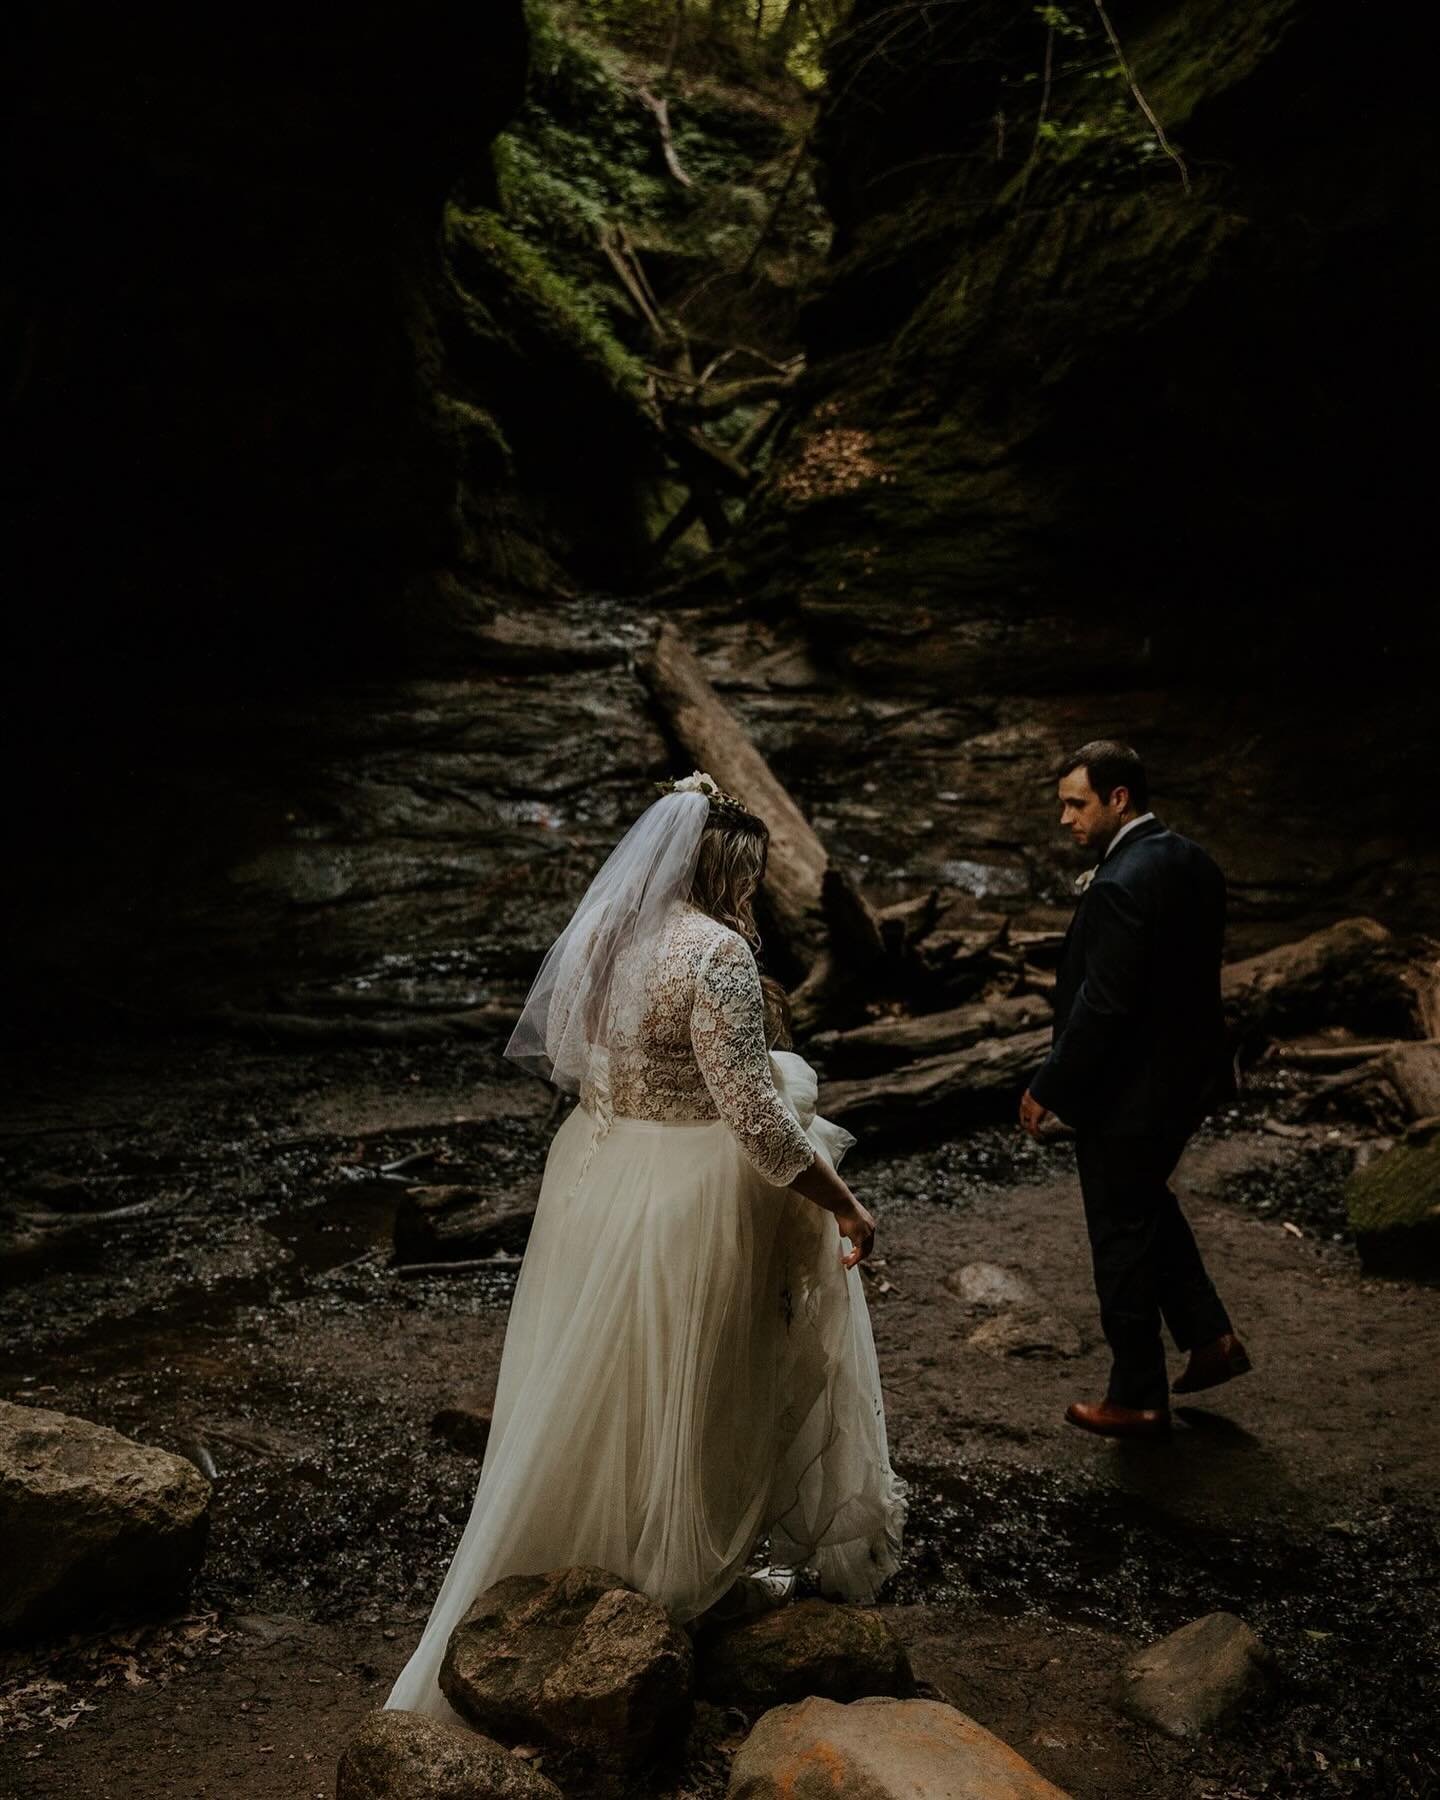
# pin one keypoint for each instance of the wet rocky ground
(232, 1300)
(275, 948)
(399, 849)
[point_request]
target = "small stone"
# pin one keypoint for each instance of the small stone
(988, 1284)
(266, 1628)
(879, 1749)
(1026, 1331)
(809, 1647)
(1194, 1679)
(406, 1756)
(465, 1425)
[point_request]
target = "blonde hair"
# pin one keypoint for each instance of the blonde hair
(728, 873)
(729, 870)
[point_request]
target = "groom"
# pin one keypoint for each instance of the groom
(1139, 1057)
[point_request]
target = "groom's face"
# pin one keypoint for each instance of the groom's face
(1091, 821)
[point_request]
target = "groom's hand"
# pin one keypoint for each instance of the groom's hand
(1032, 1114)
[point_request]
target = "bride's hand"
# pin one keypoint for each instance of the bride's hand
(822, 1185)
(857, 1224)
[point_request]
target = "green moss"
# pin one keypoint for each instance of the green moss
(524, 292)
(1394, 1205)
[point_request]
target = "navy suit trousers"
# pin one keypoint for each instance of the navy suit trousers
(1147, 1265)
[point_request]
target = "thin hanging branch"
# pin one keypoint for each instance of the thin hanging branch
(1140, 100)
(1043, 114)
(660, 106)
(676, 26)
(774, 213)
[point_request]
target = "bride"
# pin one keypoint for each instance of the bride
(688, 1363)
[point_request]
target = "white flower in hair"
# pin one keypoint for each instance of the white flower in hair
(698, 783)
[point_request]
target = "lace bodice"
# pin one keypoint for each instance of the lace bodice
(689, 1044)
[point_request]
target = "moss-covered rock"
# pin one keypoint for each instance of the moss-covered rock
(1394, 1205)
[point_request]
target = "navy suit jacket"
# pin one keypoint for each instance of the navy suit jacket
(1140, 1042)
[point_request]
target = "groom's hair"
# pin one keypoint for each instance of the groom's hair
(1108, 765)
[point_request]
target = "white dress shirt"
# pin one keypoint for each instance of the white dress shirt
(1083, 881)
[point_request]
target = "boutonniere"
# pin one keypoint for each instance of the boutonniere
(1083, 881)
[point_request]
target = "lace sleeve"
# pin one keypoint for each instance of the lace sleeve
(728, 1034)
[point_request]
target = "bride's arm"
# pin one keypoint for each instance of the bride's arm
(821, 1183)
(728, 1035)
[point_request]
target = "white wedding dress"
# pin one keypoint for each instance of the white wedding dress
(687, 1364)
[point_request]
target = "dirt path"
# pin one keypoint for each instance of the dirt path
(257, 1316)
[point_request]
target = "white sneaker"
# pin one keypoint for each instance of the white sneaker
(749, 1595)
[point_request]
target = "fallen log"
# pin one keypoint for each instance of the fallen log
(869, 1049)
(973, 1086)
(1387, 1092)
(309, 1028)
(1354, 973)
(1328, 1056)
(711, 734)
(451, 1224)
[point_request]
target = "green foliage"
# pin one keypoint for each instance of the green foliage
(732, 38)
(558, 307)
(1091, 125)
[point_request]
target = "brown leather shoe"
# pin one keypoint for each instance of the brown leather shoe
(1210, 1364)
(1109, 1420)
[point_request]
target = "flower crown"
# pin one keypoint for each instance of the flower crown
(701, 783)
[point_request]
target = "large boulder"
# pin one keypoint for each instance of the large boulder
(576, 1659)
(876, 1749)
(406, 1756)
(93, 1523)
(1394, 1204)
(810, 1647)
(1193, 1680)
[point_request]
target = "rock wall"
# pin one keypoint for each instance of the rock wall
(1074, 419)
(221, 437)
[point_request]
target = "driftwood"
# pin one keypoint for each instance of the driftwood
(618, 251)
(854, 929)
(711, 734)
(718, 402)
(973, 1086)
(1386, 1092)
(1354, 973)
(461, 1266)
(1328, 1057)
(660, 107)
(889, 1042)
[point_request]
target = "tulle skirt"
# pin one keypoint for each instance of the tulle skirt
(686, 1366)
